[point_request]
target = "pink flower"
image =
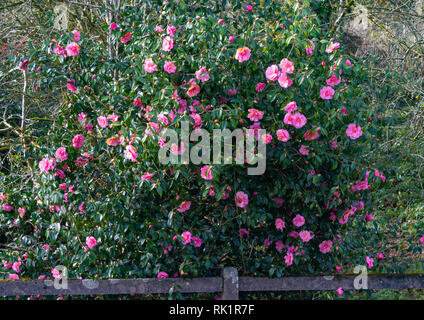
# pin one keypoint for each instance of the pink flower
(231, 38)
(21, 212)
(249, 8)
(56, 273)
(102, 121)
(202, 74)
(76, 34)
(169, 67)
(243, 232)
(255, 115)
(47, 164)
(13, 276)
(61, 154)
(242, 199)
(91, 242)
(279, 245)
(299, 120)
(333, 81)
(284, 81)
(326, 93)
(242, 54)
(206, 172)
(162, 275)
(340, 291)
(167, 44)
(369, 261)
(299, 220)
(59, 50)
(291, 106)
(113, 26)
(260, 86)
(288, 118)
(197, 242)
(286, 66)
(309, 49)
(283, 135)
(266, 138)
(380, 256)
(353, 131)
(146, 176)
(311, 135)
(71, 87)
(23, 65)
(78, 141)
(194, 89)
(6, 207)
(272, 73)
(325, 246)
(348, 63)
(149, 65)
(127, 37)
(332, 47)
(184, 206)
(279, 224)
(305, 235)
(170, 30)
(288, 259)
(72, 49)
(131, 153)
(422, 240)
(16, 265)
(186, 237)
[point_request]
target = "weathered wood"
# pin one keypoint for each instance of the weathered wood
(330, 283)
(230, 284)
(123, 286)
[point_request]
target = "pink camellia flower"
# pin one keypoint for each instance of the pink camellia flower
(325, 246)
(299, 120)
(279, 224)
(260, 87)
(13, 276)
(369, 261)
(286, 66)
(288, 258)
(206, 172)
(56, 273)
(291, 106)
(102, 121)
(309, 49)
(76, 34)
(167, 44)
(184, 206)
(353, 131)
(21, 212)
(311, 135)
(169, 67)
(46, 164)
(243, 232)
(305, 235)
(338, 268)
(162, 275)
(6, 207)
(197, 241)
(242, 199)
(112, 141)
(266, 138)
(332, 47)
(304, 150)
(158, 29)
(146, 176)
(242, 54)
(149, 65)
(340, 291)
(72, 49)
(220, 21)
(71, 87)
(194, 89)
(61, 154)
(59, 50)
(348, 63)
(284, 80)
(272, 73)
(91, 242)
(170, 30)
(333, 81)
(326, 93)
(186, 237)
(298, 220)
(113, 26)
(126, 37)
(249, 8)
(422, 240)
(231, 38)
(23, 65)
(283, 135)
(78, 141)
(288, 118)
(380, 256)
(131, 153)
(279, 245)
(334, 145)
(255, 115)
(202, 74)
(16, 265)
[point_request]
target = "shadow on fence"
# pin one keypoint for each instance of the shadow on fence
(230, 284)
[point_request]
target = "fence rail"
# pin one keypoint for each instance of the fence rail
(230, 284)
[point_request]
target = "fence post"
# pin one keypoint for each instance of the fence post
(230, 284)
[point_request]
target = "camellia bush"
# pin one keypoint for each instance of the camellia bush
(101, 203)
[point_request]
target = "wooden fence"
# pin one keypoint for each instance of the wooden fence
(229, 284)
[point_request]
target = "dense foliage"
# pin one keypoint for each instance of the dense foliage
(98, 200)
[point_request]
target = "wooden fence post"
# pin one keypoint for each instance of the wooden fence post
(230, 284)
